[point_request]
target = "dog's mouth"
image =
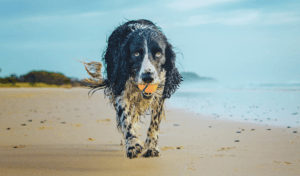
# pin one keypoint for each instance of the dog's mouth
(147, 90)
(147, 95)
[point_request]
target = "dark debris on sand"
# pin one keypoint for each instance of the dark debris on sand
(20, 146)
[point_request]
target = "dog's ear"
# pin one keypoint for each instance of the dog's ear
(118, 68)
(173, 78)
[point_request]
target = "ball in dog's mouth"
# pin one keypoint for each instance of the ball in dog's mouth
(147, 90)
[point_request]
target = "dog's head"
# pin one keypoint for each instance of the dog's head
(142, 53)
(147, 54)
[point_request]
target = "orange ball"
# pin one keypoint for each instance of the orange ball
(149, 89)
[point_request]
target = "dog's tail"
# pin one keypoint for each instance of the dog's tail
(96, 81)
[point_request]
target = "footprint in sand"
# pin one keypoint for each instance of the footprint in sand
(171, 148)
(226, 148)
(103, 120)
(77, 125)
(45, 128)
(282, 162)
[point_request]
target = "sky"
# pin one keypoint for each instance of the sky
(234, 41)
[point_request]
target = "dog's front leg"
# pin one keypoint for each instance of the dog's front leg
(128, 122)
(153, 132)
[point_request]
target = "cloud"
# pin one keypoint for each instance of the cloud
(61, 17)
(53, 18)
(280, 18)
(237, 18)
(241, 18)
(96, 16)
(194, 21)
(194, 4)
(255, 17)
(49, 45)
(232, 18)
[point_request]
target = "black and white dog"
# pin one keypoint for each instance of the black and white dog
(138, 53)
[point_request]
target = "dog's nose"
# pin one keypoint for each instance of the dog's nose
(147, 77)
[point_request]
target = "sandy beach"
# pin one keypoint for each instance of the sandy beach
(56, 131)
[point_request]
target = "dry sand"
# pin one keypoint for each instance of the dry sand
(48, 131)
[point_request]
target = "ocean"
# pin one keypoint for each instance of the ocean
(266, 104)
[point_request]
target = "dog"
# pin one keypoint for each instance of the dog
(138, 56)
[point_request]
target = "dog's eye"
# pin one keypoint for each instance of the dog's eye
(136, 54)
(158, 54)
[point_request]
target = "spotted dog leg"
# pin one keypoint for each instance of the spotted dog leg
(153, 132)
(127, 123)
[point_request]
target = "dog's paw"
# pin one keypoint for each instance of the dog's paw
(134, 151)
(152, 153)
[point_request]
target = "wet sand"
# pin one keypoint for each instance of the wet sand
(49, 131)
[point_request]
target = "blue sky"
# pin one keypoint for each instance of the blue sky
(234, 41)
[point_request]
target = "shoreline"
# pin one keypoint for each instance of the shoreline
(272, 108)
(247, 122)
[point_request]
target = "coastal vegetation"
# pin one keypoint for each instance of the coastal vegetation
(40, 79)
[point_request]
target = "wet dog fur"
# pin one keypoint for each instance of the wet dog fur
(137, 53)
